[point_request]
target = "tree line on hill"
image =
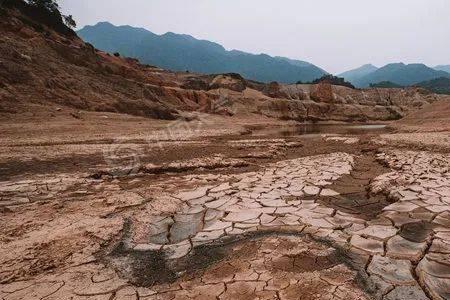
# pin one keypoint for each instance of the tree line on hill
(331, 79)
(46, 12)
(439, 85)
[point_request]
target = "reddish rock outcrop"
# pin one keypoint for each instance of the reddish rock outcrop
(322, 92)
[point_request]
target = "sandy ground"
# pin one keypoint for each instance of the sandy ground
(108, 206)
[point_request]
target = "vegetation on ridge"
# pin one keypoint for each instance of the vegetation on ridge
(385, 84)
(178, 52)
(439, 85)
(44, 12)
(334, 80)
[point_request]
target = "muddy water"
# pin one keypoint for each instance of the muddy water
(314, 129)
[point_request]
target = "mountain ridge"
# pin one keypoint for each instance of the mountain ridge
(439, 85)
(181, 52)
(398, 73)
(402, 74)
(445, 68)
(353, 75)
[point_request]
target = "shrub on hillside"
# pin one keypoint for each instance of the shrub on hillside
(44, 12)
(385, 84)
(438, 85)
(334, 80)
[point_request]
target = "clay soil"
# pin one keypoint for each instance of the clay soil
(110, 206)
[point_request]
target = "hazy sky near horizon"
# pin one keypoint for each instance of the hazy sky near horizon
(335, 35)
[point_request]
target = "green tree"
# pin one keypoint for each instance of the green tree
(52, 7)
(69, 21)
(334, 80)
(49, 5)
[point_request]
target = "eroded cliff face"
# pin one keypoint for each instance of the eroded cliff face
(41, 69)
(326, 102)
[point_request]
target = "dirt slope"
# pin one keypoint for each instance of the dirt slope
(433, 117)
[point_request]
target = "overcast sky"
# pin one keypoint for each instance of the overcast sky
(335, 35)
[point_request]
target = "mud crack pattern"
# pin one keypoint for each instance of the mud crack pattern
(267, 235)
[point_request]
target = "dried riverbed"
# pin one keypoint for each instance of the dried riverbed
(254, 216)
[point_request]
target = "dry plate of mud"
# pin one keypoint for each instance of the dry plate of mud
(353, 222)
(363, 224)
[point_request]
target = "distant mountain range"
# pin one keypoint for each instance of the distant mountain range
(397, 73)
(355, 74)
(445, 68)
(180, 52)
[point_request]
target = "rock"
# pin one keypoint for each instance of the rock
(274, 90)
(26, 57)
(322, 92)
(233, 82)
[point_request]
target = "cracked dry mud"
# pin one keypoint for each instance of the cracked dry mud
(327, 217)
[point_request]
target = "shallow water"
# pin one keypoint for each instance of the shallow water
(310, 129)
